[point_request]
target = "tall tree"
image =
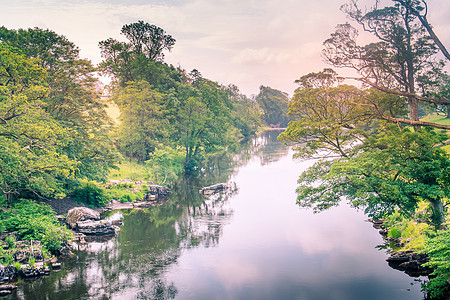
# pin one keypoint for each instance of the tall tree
(31, 160)
(274, 103)
(73, 99)
(148, 39)
(403, 53)
(142, 126)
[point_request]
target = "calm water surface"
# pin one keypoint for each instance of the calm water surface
(253, 243)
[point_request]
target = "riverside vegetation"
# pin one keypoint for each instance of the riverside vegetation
(57, 140)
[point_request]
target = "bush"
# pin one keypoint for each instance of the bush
(33, 221)
(17, 265)
(90, 194)
(54, 238)
(395, 233)
(166, 163)
(438, 250)
(123, 195)
(11, 241)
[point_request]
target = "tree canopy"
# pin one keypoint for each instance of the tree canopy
(363, 159)
(163, 106)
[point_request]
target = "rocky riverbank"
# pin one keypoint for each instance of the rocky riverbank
(29, 262)
(27, 259)
(409, 262)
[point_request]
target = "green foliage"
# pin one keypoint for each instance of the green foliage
(162, 107)
(142, 125)
(393, 170)
(274, 104)
(33, 221)
(90, 194)
(123, 193)
(17, 265)
(438, 250)
(31, 160)
(32, 261)
(166, 164)
(72, 100)
(11, 241)
(395, 233)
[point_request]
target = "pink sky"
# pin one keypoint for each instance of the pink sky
(244, 42)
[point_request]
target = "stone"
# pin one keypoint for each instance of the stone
(78, 214)
(409, 262)
(90, 227)
(30, 271)
(213, 189)
(8, 273)
(65, 251)
(158, 190)
(7, 287)
(4, 293)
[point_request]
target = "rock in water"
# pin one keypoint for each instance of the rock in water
(89, 227)
(8, 273)
(212, 189)
(78, 214)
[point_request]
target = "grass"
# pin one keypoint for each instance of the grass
(131, 170)
(437, 118)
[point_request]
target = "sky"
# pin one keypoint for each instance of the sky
(247, 43)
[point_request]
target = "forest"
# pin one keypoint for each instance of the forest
(381, 144)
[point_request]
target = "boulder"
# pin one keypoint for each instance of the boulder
(213, 189)
(30, 272)
(90, 227)
(6, 289)
(157, 190)
(8, 273)
(409, 262)
(78, 214)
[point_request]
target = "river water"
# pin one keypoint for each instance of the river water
(251, 243)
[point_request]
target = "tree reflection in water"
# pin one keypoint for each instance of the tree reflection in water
(133, 265)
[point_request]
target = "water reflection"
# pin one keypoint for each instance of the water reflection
(253, 243)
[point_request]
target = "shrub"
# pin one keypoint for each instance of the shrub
(438, 250)
(90, 194)
(395, 233)
(17, 265)
(33, 221)
(32, 261)
(11, 241)
(54, 237)
(123, 195)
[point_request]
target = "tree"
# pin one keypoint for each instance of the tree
(274, 103)
(378, 167)
(141, 58)
(403, 54)
(204, 121)
(246, 113)
(31, 160)
(142, 126)
(73, 99)
(185, 110)
(392, 170)
(148, 39)
(330, 118)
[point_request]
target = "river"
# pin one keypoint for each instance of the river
(252, 243)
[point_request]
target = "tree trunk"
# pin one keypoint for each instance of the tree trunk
(448, 111)
(438, 216)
